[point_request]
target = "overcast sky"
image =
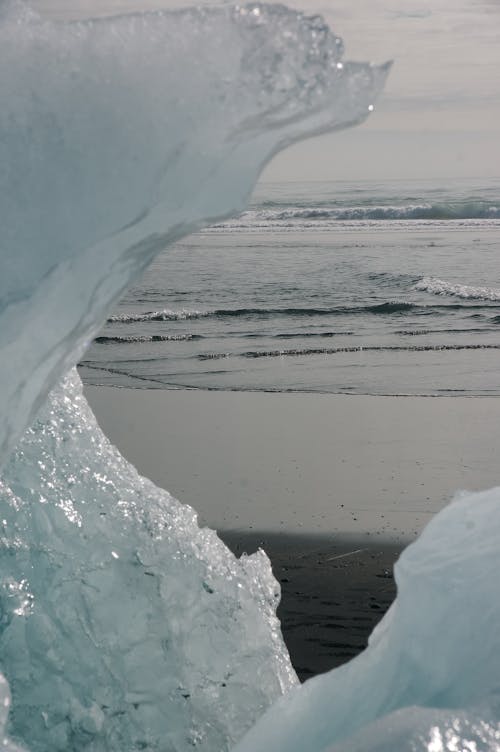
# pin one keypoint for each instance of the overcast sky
(440, 114)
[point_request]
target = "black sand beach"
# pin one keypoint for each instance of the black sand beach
(333, 593)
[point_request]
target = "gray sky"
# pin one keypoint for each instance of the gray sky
(440, 114)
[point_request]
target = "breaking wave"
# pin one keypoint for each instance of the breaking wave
(454, 330)
(467, 292)
(386, 308)
(102, 340)
(443, 211)
(258, 313)
(166, 315)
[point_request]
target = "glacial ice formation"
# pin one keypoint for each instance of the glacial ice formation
(123, 624)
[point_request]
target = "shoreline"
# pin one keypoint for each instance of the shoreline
(108, 379)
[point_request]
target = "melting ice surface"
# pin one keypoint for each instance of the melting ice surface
(123, 626)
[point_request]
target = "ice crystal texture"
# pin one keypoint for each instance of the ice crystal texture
(123, 624)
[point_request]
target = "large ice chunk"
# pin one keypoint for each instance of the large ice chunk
(123, 625)
(437, 647)
(118, 136)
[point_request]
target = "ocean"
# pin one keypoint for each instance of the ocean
(382, 288)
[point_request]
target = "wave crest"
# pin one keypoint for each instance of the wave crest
(424, 210)
(438, 286)
(104, 340)
(388, 307)
(307, 351)
(165, 315)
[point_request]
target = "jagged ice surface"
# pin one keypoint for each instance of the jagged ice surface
(124, 625)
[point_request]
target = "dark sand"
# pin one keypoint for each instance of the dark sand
(333, 593)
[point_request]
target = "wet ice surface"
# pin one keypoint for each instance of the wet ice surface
(424, 730)
(123, 624)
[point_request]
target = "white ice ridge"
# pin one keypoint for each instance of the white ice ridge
(118, 136)
(429, 680)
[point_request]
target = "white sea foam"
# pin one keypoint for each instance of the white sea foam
(453, 210)
(164, 315)
(467, 292)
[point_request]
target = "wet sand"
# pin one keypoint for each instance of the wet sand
(306, 463)
(339, 484)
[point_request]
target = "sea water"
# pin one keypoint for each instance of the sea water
(372, 288)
